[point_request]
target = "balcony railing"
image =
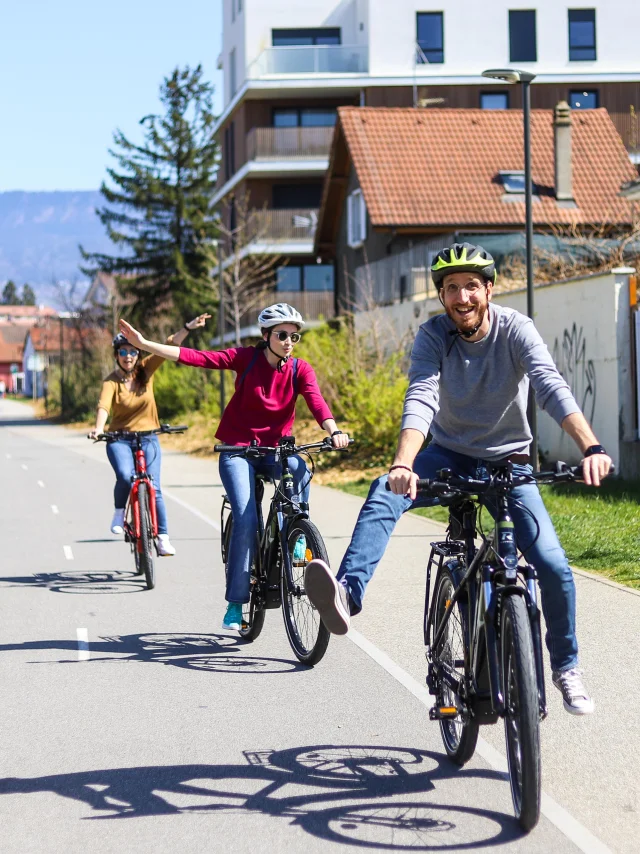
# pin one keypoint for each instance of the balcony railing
(312, 305)
(310, 59)
(289, 143)
(283, 226)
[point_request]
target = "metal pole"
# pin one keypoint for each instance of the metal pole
(62, 400)
(221, 322)
(526, 106)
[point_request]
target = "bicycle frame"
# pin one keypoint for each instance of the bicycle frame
(140, 475)
(492, 574)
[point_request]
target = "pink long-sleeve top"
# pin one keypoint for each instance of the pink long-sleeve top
(263, 406)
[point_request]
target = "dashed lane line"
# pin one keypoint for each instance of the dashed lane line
(54, 509)
(553, 812)
(24, 467)
(68, 553)
(41, 484)
(84, 653)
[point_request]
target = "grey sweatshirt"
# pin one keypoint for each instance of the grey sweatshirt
(473, 396)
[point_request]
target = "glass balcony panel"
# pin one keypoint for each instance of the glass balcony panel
(284, 226)
(311, 59)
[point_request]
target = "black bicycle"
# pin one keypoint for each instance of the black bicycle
(482, 629)
(141, 519)
(284, 547)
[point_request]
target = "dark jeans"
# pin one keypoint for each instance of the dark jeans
(121, 457)
(238, 476)
(382, 509)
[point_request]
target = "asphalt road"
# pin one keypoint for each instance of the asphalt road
(132, 722)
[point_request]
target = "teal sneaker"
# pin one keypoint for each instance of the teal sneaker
(233, 617)
(300, 548)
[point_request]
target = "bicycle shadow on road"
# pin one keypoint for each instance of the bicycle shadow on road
(368, 777)
(220, 653)
(78, 581)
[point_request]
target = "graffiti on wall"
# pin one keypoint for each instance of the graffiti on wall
(570, 355)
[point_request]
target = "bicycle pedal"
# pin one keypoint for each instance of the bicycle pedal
(439, 713)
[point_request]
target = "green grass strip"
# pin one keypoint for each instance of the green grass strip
(598, 528)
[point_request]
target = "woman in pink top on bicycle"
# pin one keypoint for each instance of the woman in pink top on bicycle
(268, 380)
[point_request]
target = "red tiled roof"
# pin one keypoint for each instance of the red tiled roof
(427, 167)
(46, 339)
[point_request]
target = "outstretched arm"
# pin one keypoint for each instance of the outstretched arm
(197, 323)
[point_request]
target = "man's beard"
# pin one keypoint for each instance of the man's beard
(473, 320)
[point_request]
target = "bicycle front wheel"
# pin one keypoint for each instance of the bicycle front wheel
(522, 719)
(306, 632)
(253, 612)
(459, 734)
(144, 547)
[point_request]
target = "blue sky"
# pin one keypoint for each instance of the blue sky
(72, 71)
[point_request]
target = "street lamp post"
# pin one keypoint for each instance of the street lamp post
(513, 75)
(63, 315)
(221, 318)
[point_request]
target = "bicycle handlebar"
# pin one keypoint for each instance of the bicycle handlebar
(125, 434)
(449, 484)
(262, 450)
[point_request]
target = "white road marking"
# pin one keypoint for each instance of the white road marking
(84, 653)
(553, 812)
(41, 484)
(54, 509)
(192, 509)
(25, 467)
(68, 552)
(8, 456)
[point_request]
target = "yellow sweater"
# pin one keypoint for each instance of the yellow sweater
(135, 408)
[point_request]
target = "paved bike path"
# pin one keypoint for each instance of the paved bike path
(107, 734)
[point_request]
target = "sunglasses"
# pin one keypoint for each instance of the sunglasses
(124, 352)
(282, 336)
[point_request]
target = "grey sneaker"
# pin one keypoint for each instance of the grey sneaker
(575, 696)
(330, 598)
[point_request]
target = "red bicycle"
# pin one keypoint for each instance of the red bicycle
(141, 518)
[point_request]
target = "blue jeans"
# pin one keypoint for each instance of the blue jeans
(238, 476)
(121, 456)
(382, 509)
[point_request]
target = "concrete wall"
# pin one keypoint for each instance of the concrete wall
(586, 324)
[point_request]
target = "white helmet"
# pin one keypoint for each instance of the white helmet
(279, 313)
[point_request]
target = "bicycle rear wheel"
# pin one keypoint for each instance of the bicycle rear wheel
(459, 734)
(253, 612)
(306, 632)
(522, 719)
(144, 547)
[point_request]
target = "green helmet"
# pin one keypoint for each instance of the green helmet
(462, 258)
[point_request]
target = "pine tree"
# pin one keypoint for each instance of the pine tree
(28, 295)
(10, 294)
(159, 214)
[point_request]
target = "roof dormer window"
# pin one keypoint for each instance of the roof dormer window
(513, 182)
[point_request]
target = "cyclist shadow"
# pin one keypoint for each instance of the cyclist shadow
(392, 795)
(211, 652)
(78, 581)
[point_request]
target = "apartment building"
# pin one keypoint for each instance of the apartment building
(288, 66)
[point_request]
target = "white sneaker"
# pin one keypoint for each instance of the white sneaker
(117, 523)
(574, 695)
(165, 549)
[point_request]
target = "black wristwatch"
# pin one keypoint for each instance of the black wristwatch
(336, 433)
(187, 328)
(594, 449)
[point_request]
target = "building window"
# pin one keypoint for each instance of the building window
(583, 100)
(289, 278)
(319, 35)
(494, 100)
(356, 219)
(582, 35)
(232, 72)
(291, 117)
(229, 153)
(430, 37)
(513, 182)
(308, 277)
(318, 277)
(522, 36)
(292, 196)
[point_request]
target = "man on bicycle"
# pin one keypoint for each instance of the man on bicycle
(468, 387)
